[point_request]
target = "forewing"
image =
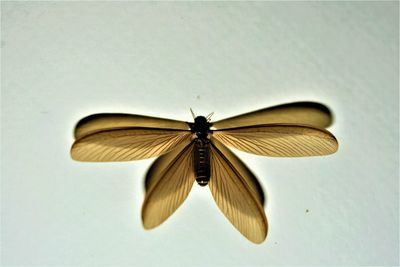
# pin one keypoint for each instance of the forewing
(235, 197)
(109, 121)
(127, 144)
(168, 183)
(310, 113)
(279, 140)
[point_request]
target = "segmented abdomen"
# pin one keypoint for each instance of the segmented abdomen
(202, 161)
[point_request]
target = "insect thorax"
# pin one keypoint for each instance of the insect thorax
(201, 127)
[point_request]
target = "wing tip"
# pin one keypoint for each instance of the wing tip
(258, 241)
(78, 126)
(77, 155)
(333, 143)
(329, 117)
(148, 226)
(73, 153)
(261, 237)
(148, 223)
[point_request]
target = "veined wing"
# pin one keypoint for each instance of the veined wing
(235, 197)
(168, 183)
(127, 144)
(109, 121)
(310, 113)
(279, 140)
(244, 172)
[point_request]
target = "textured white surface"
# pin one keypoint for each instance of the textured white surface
(62, 61)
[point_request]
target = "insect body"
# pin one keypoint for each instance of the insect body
(201, 128)
(189, 151)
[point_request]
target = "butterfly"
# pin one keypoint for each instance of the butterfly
(197, 151)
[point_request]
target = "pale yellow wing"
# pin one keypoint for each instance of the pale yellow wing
(109, 121)
(168, 183)
(127, 144)
(279, 140)
(242, 169)
(310, 113)
(235, 197)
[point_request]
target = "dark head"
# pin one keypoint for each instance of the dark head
(201, 126)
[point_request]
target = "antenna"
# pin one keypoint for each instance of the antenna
(194, 116)
(209, 116)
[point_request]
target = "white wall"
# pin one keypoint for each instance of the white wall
(62, 61)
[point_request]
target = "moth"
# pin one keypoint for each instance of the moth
(197, 151)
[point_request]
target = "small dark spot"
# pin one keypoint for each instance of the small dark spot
(276, 243)
(198, 97)
(307, 210)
